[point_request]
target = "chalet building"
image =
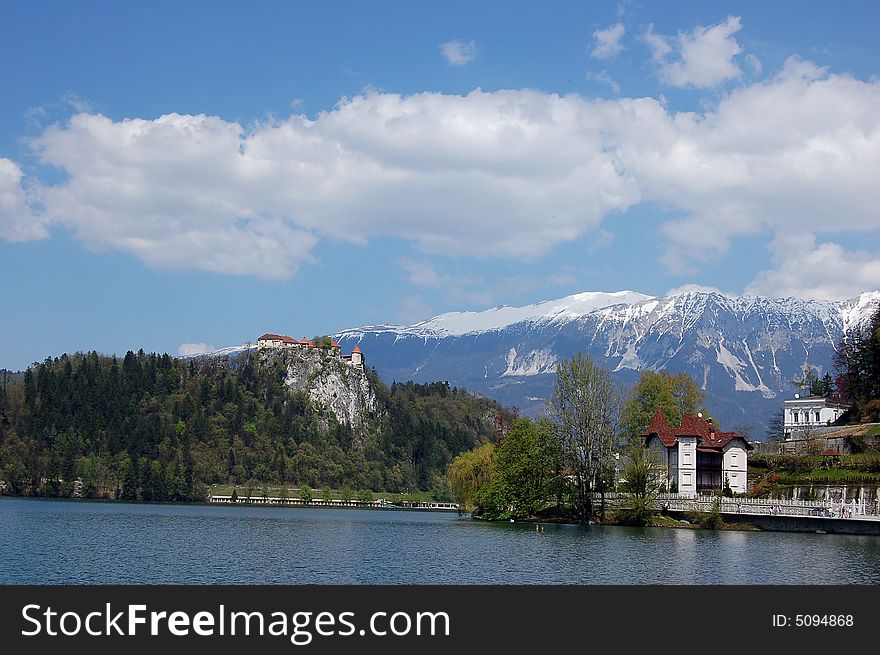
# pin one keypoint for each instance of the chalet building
(697, 457)
(801, 414)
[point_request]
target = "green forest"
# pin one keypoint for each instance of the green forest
(156, 428)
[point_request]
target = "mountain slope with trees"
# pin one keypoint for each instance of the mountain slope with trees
(152, 427)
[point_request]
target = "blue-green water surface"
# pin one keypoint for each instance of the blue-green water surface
(80, 542)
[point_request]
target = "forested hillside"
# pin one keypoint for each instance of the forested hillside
(152, 427)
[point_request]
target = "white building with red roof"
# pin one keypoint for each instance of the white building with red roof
(270, 340)
(697, 456)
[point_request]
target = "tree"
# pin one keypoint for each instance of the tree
(305, 494)
(676, 395)
(586, 404)
(522, 469)
(365, 496)
(776, 426)
(468, 475)
(322, 342)
(644, 476)
(327, 494)
(858, 360)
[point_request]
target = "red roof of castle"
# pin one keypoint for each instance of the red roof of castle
(270, 336)
(305, 341)
(708, 438)
(333, 344)
(356, 350)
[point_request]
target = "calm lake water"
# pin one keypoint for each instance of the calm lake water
(78, 542)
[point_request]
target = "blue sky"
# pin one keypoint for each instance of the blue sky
(194, 173)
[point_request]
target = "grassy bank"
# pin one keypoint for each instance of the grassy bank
(771, 472)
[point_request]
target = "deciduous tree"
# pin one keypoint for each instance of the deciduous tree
(676, 395)
(586, 405)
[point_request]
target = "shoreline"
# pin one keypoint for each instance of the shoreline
(242, 503)
(755, 523)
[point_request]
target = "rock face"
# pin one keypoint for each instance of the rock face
(743, 351)
(330, 382)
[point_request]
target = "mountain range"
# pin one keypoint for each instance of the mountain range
(745, 352)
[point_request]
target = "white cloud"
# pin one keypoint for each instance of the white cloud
(797, 153)
(824, 271)
(459, 53)
(17, 219)
(502, 174)
(423, 274)
(755, 63)
(187, 349)
(607, 42)
(451, 173)
(603, 77)
(702, 58)
(658, 44)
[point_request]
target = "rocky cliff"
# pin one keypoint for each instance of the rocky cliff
(330, 382)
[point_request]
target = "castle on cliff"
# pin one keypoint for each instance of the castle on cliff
(271, 340)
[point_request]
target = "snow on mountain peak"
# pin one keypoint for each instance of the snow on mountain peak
(496, 318)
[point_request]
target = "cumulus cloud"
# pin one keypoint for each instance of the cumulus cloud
(824, 271)
(795, 153)
(458, 53)
(447, 172)
(187, 349)
(701, 58)
(510, 173)
(606, 43)
(17, 219)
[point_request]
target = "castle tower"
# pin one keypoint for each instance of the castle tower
(357, 357)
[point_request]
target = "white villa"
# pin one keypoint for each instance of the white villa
(810, 412)
(272, 340)
(698, 457)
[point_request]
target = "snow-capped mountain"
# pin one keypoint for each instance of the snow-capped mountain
(744, 351)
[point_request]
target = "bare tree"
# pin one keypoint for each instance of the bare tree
(776, 426)
(586, 405)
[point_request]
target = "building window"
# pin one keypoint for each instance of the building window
(734, 460)
(795, 415)
(818, 417)
(687, 458)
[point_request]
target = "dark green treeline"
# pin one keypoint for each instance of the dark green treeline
(153, 427)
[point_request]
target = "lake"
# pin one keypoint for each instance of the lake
(82, 542)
